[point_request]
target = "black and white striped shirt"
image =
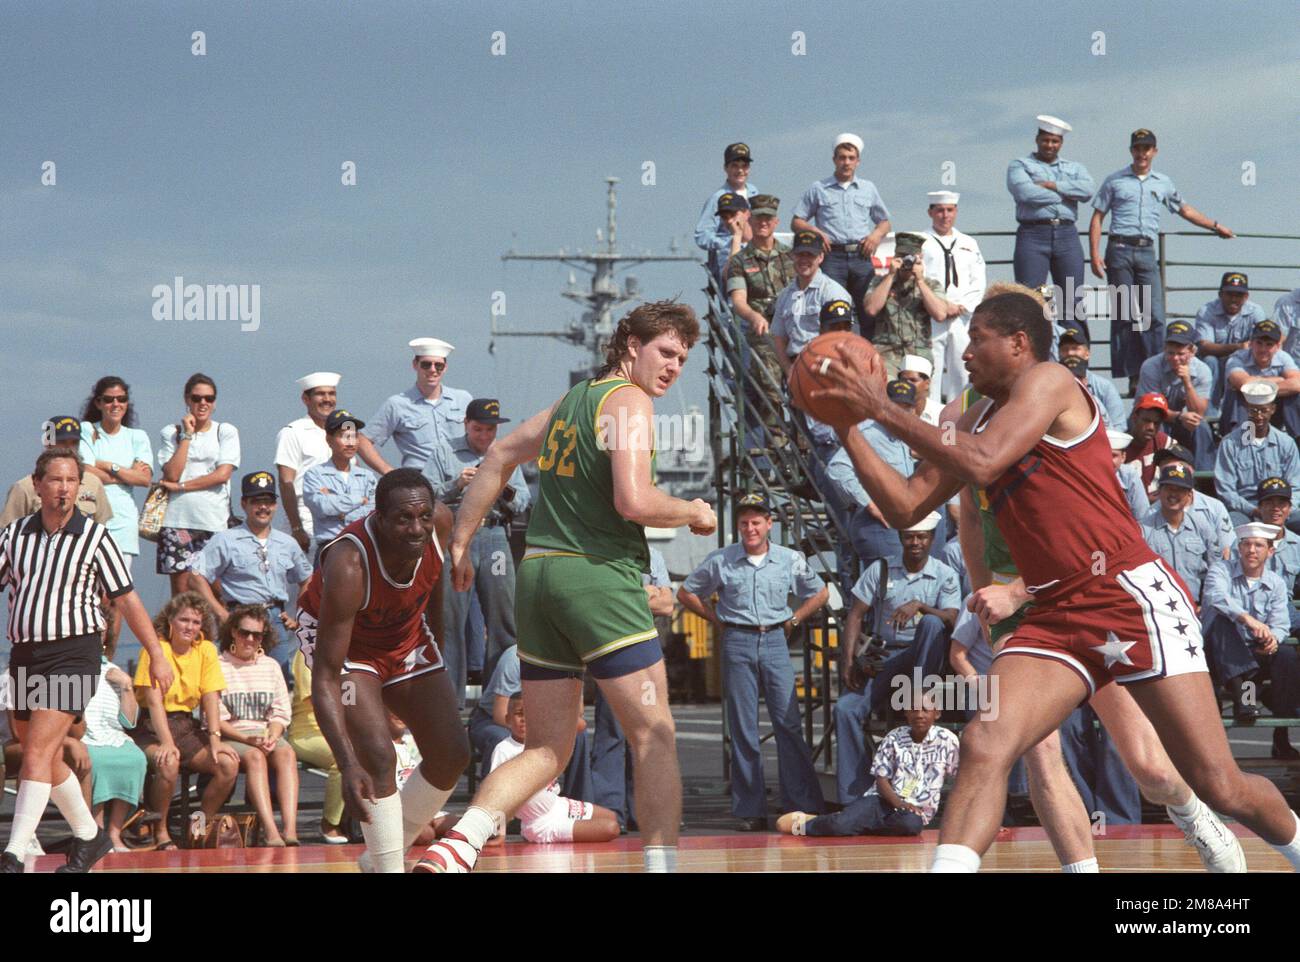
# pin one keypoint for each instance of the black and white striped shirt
(54, 581)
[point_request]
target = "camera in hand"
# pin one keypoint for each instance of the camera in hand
(907, 262)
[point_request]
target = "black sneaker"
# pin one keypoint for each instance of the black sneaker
(82, 855)
(10, 864)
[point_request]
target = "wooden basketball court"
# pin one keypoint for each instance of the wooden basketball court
(1137, 848)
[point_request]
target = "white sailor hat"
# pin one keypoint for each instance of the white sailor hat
(851, 139)
(1259, 392)
(318, 379)
(942, 197)
(928, 523)
(914, 362)
(1052, 125)
(430, 347)
(1119, 441)
(1257, 529)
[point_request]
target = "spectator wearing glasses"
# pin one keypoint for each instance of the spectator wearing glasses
(198, 456)
(254, 715)
(92, 499)
(255, 565)
(420, 417)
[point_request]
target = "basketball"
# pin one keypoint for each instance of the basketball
(806, 374)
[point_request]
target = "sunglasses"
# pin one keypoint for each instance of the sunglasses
(203, 399)
(436, 365)
(114, 399)
(255, 635)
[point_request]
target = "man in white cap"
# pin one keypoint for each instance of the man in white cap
(422, 416)
(919, 372)
(1254, 451)
(1048, 191)
(1130, 474)
(301, 445)
(953, 260)
(851, 218)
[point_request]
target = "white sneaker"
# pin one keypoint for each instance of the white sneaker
(1219, 849)
(450, 855)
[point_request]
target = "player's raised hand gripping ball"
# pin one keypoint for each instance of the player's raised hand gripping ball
(839, 379)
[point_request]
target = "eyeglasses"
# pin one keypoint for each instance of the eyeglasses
(255, 635)
(436, 365)
(114, 399)
(203, 399)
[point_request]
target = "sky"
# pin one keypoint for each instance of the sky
(226, 168)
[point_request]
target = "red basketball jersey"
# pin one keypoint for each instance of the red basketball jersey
(392, 614)
(1061, 510)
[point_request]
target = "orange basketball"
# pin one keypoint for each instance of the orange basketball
(806, 373)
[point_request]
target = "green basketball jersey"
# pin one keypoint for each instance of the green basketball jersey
(575, 490)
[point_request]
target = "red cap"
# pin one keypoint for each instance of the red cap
(1154, 400)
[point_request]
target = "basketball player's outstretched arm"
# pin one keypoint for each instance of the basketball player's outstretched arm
(342, 595)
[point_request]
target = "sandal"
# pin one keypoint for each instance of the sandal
(166, 846)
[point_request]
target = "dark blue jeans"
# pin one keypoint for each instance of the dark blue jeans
(611, 764)
(1104, 783)
(1231, 656)
(1043, 250)
(868, 815)
(853, 273)
(1137, 319)
(1200, 441)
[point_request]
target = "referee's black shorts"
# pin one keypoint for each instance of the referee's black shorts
(54, 675)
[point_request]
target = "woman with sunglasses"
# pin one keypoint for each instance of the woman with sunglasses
(198, 456)
(119, 454)
(254, 715)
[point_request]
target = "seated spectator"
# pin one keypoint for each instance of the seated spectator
(1262, 361)
(548, 816)
(117, 763)
(1076, 353)
(917, 612)
(901, 305)
(1246, 618)
(1186, 383)
(952, 556)
(1223, 327)
(1146, 424)
(309, 744)
(1129, 474)
(171, 737)
(1253, 452)
(909, 771)
(408, 760)
(796, 319)
(75, 753)
(254, 715)
(1274, 507)
(92, 499)
(342, 489)
(1171, 533)
(1209, 515)
(198, 456)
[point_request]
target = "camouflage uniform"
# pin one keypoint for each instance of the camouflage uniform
(903, 325)
(762, 275)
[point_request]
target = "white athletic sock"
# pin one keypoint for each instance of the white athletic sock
(1088, 866)
(660, 858)
(383, 834)
(28, 808)
(1290, 851)
(1187, 811)
(420, 803)
(955, 858)
(67, 798)
(477, 825)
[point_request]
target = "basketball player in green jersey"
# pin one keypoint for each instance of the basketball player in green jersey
(579, 602)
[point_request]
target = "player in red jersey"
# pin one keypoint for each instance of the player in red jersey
(1106, 608)
(372, 611)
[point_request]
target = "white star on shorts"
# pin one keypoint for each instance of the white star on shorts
(1115, 651)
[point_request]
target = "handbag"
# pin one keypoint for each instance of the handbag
(153, 512)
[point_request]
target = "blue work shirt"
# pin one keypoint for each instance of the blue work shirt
(1130, 482)
(1286, 559)
(1156, 375)
(1244, 360)
(797, 315)
(1107, 396)
(1213, 324)
(1286, 314)
(1074, 185)
(1183, 548)
(337, 498)
(1134, 203)
(846, 213)
(952, 556)
(1242, 464)
(1230, 594)
(844, 478)
(417, 425)
(709, 235)
(1207, 515)
(658, 576)
(250, 571)
(450, 458)
(936, 585)
(754, 595)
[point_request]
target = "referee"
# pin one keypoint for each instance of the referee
(55, 564)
